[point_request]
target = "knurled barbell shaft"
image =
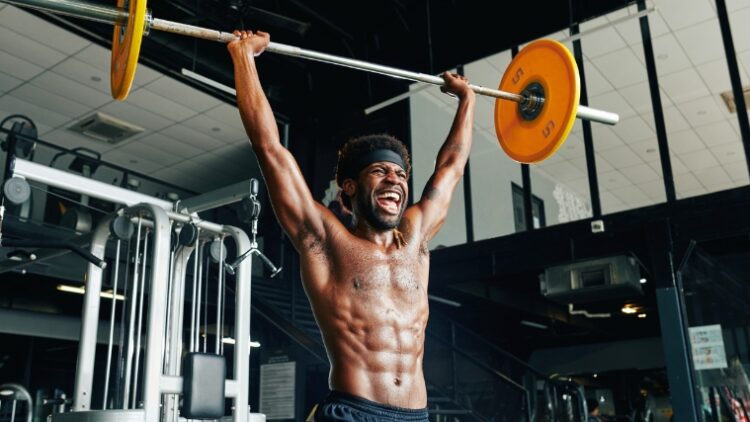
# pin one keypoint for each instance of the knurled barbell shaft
(113, 15)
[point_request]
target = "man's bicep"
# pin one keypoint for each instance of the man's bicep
(436, 198)
(292, 201)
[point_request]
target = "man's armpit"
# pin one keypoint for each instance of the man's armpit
(310, 239)
(430, 191)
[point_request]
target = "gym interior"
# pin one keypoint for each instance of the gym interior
(145, 277)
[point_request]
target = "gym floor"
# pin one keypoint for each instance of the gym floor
(615, 271)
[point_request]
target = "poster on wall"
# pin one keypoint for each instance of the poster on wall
(708, 347)
(277, 390)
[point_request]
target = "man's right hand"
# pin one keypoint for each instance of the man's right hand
(249, 43)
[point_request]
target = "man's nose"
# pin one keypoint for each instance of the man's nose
(392, 177)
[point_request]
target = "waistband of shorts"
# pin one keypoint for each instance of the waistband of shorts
(371, 407)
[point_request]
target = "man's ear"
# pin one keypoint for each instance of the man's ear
(349, 187)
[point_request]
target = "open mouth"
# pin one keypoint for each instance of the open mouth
(389, 201)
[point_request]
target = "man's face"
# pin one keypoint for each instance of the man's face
(381, 192)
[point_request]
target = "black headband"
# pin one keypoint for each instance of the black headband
(375, 156)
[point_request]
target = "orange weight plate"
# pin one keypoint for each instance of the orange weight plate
(545, 66)
(126, 47)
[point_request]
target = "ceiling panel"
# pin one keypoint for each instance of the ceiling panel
(714, 178)
(601, 42)
(612, 101)
(604, 138)
(15, 66)
(35, 52)
(8, 82)
(613, 179)
(192, 137)
(183, 94)
(718, 133)
(171, 145)
(160, 105)
(84, 74)
(738, 172)
(631, 195)
(669, 55)
(51, 35)
(621, 156)
(684, 85)
(633, 129)
(135, 115)
(716, 75)
(640, 173)
(631, 30)
(10, 104)
(699, 160)
(142, 148)
(738, 21)
(684, 13)
(729, 153)
(45, 99)
(596, 83)
(685, 141)
(654, 190)
(621, 68)
(74, 91)
(702, 111)
(702, 42)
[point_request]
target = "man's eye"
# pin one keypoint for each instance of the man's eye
(402, 175)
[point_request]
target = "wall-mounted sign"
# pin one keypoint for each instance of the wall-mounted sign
(708, 347)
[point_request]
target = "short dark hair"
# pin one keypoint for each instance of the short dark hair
(355, 147)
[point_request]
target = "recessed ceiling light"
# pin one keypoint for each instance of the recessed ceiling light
(641, 316)
(629, 309)
(96, 78)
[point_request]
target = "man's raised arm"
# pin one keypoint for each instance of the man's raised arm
(432, 208)
(298, 213)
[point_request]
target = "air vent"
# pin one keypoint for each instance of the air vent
(104, 128)
(728, 98)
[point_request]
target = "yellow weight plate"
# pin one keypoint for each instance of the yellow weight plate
(545, 66)
(126, 47)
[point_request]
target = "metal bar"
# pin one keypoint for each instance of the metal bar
(101, 14)
(241, 329)
(734, 76)
(661, 129)
(95, 189)
(528, 203)
(73, 182)
(139, 330)
(90, 322)
(156, 306)
(588, 136)
(111, 325)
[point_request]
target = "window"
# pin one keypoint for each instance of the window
(537, 209)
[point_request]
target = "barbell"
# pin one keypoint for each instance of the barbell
(535, 108)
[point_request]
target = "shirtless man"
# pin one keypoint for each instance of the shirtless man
(367, 284)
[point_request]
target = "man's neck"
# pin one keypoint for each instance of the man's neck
(381, 237)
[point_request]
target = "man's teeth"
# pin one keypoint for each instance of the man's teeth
(390, 195)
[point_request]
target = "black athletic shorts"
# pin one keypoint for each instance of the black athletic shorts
(344, 407)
